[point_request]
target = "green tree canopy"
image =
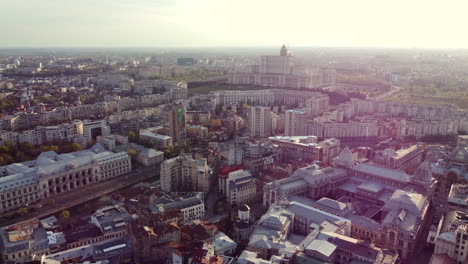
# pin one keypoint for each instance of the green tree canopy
(131, 152)
(131, 136)
(65, 214)
(76, 146)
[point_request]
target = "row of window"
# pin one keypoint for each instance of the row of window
(18, 201)
(18, 192)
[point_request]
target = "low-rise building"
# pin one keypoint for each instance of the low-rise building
(400, 159)
(150, 157)
(159, 141)
(191, 208)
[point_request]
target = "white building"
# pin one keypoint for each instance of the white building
(259, 121)
(239, 187)
(191, 208)
(224, 245)
(51, 174)
(93, 129)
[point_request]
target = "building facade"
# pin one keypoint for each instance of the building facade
(183, 173)
(259, 121)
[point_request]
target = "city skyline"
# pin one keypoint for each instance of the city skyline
(209, 23)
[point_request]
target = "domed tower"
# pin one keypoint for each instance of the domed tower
(422, 176)
(423, 172)
(345, 158)
(284, 51)
(244, 213)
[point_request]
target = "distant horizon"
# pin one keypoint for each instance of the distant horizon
(234, 47)
(228, 23)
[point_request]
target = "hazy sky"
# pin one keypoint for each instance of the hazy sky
(174, 23)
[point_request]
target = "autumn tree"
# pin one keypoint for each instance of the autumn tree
(76, 146)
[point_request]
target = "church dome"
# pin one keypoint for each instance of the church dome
(423, 172)
(345, 158)
(460, 154)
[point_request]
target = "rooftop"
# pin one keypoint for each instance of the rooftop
(382, 172)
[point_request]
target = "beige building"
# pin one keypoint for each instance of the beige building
(400, 159)
(183, 173)
(199, 132)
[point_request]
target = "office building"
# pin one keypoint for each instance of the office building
(259, 121)
(177, 122)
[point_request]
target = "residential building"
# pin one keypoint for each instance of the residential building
(239, 187)
(191, 207)
(259, 121)
(183, 173)
(294, 123)
(197, 132)
(452, 236)
(458, 198)
(159, 141)
(150, 157)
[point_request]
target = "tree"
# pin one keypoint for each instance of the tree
(23, 210)
(244, 106)
(76, 146)
(54, 148)
(65, 214)
(131, 136)
(4, 149)
(131, 152)
(26, 146)
(7, 158)
(148, 143)
(186, 146)
(171, 148)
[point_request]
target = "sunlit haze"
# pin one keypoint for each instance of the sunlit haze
(190, 23)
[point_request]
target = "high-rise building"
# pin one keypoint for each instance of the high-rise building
(294, 124)
(183, 173)
(177, 122)
(259, 121)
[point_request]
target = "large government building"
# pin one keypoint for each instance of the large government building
(282, 71)
(385, 206)
(22, 184)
